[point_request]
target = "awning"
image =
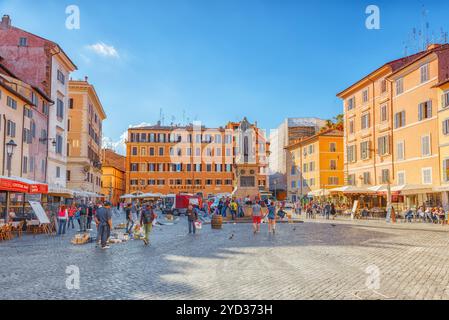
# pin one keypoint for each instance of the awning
(319, 193)
(23, 185)
(128, 196)
(86, 194)
(409, 189)
(148, 195)
(60, 192)
(352, 190)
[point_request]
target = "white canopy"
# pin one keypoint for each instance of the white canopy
(352, 189)
(319, 193)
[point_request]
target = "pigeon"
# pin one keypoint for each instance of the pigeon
(333, 225)
(231, 237)
(294, 229)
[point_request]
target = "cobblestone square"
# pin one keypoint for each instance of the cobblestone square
(311, 260)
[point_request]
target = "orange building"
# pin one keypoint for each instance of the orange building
(193, 159)
(315, 165)
(392, 128)
(113, 183)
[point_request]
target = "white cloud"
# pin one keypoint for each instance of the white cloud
(119, 145)
(103, 49)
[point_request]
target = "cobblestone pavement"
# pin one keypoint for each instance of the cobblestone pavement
(313, 260)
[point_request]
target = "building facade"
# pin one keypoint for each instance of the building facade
(84, 127)
(194, 159)
(113, 178)
(392, 128)
(315, 164)
(44, 65)
(24, 118)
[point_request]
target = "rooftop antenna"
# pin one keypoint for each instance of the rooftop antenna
(183, 116)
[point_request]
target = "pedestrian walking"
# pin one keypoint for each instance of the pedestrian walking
(83, 217)
(257, 216)
(62, 220)
(71, 214)
(103, 219)
(146, 221)
(129, 219)
(233, 207)
(271, 217)
(327, 210)
(90, 216)
(192, 217)
(333, 211)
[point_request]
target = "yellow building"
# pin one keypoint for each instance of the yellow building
(113, 179)
(315, 164)
(392, 129)
(84, 137)
(443, 131)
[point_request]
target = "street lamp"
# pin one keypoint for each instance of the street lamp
(10, 151)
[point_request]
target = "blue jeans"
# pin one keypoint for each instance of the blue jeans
(61, 226)
(70, 221)
(129, 226)
(192, 226)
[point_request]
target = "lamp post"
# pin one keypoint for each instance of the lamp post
(10, 146)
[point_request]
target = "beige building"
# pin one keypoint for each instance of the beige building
(393, 128)
(84, 137)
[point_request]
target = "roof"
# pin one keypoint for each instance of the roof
(91, 90)
(393, 65)
(113, 159)
(331, 132)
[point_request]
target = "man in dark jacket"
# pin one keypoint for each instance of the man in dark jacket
(103, 219)
(192, 217)
(146, 220)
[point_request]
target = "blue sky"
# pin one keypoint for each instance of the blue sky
(220, 60)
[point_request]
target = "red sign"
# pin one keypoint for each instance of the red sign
(22, 187)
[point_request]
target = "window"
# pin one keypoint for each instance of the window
(151, 153)
(134, 151)
(293, 184)
(10, 102)
(427, 175)
(367, 177)
(333, 164)
(23, 42)
(58, 144)
(425, 73)
(143, 151)
(351, 179)
(311, 149)
(399, 86)
(58, 172)
(446, 170)
(383, 145)
(293, 170)
(71, 103)
(425, 110)
(365, 150)
(351, 155)
(161, 151)
(134, 167)
(351, 126)
(365, 96)
(445, 126)
(305, 166)
(61, 77)
(208, 182)
(332, 147)
(383, 113)
(400, 150)
(445, 100)
(68, 175)
(208, 167)
(401, 178)
(312, 166)
(365, 121)
(383, 86)
(333, 181)
(425, 146)
(218, 167)
(218, 182)
(11, 128)
(399, 119)
(351, 103)
(385, 176)
(25, 164)
(60, 108)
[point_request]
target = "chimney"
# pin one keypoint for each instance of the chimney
(433, 46)
(6, 22)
